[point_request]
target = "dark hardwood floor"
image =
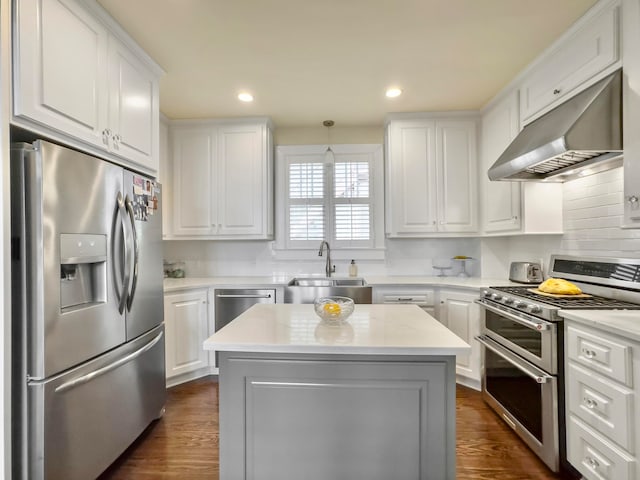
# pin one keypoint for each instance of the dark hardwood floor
(184, 443)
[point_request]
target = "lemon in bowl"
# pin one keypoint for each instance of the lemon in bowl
(334, 309)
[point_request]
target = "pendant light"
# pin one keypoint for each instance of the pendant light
(329, 156)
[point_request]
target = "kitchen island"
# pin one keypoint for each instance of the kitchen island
(370, 398)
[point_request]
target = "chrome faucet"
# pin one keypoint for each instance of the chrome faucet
(329, 268)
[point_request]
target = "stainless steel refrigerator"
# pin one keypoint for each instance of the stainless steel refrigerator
(87, 322)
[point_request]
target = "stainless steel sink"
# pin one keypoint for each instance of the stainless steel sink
(307, 289)
(326, 282)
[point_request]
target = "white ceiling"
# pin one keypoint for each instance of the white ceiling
(310, 60)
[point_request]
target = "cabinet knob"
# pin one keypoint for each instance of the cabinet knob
(633, 200)
(106, 135)
(590, 403)
(556, 91)
(590, 354)
(591, 462)
(116, 141)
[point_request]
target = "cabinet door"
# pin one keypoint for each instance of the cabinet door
(576, 61)
(459, 313)
(193, 181)
(457, 176)
(186, 327)
(411, 183)
(501, 199)
(133, 107)
(241, 180)
(60, 56)
(631, 111)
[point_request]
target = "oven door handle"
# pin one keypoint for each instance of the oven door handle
(504, 353)
(538, 326)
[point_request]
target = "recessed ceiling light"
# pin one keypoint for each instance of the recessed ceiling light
(245, 97)
(393, 92)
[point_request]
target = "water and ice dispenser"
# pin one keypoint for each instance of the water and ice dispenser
(83, 270)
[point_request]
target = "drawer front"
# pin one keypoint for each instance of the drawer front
(602, 353)
(412, 299)
(594, 457)
(601, 404)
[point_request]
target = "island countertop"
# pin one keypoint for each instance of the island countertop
(370, 330)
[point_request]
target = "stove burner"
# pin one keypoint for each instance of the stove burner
(593, 302)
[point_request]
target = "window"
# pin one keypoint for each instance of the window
(333, 200)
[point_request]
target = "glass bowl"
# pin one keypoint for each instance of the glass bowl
(333, 309)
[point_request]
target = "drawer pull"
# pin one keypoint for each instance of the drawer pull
(590, 354)
(592, 462)
(591, 404)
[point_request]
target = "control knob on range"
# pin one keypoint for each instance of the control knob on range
(519, 304)
(486, 293)
(535, 308)
(496, 296)
(508, 300)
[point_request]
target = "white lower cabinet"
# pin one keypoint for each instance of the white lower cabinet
(187, 326)
(458, 312)
(454, 308)
(601, 403)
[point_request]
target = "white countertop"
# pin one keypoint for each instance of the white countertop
(174, 284)
(618, 322)
(371, 329)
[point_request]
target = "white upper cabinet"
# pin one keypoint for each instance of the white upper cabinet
(513, 207)
(456, 173)
(583, 56)
(134, 114)
(431, 176)
(78, 78)
(193, 181)
(501, 200)
(631, 111)
(222, 180)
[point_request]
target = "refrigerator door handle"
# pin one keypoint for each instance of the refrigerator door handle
(108, 368)
(136, 253)
(122, 295)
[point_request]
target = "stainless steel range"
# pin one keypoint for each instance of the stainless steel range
(522, 338)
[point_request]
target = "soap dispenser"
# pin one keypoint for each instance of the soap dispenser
(353, 269)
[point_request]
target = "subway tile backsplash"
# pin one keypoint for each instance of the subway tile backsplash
(592, 214)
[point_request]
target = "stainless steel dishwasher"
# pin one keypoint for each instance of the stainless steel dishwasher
(232, 302)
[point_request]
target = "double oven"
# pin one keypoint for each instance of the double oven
(523, 346)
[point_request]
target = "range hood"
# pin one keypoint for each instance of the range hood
(577, 138)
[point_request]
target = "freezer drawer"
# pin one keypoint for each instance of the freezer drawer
(95, 411)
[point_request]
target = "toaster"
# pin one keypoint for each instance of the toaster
(525, 272)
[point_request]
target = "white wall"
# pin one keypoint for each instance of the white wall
(403, 257)
(322, 135)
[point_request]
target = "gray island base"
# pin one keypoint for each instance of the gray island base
(376, 404)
